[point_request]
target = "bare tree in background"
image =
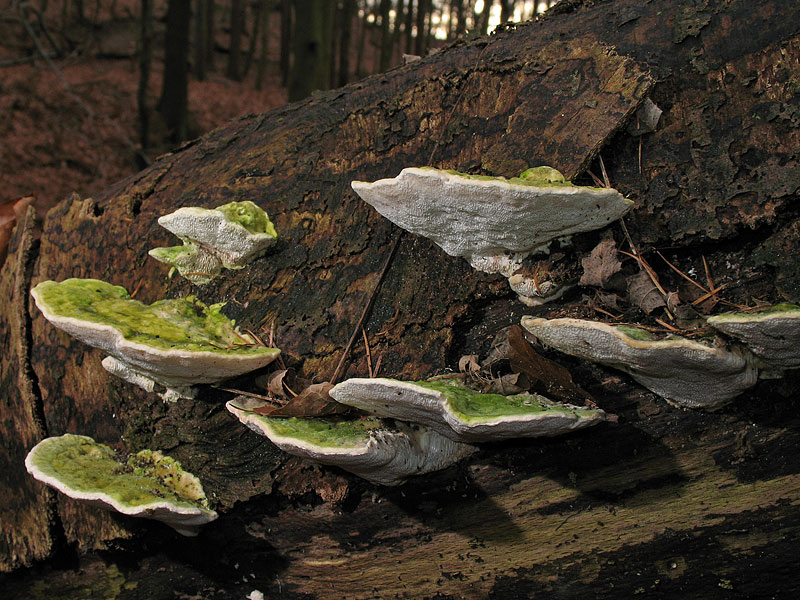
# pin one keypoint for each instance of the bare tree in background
(349, 10)
(311, 36)
(145, 59)
(234, 70)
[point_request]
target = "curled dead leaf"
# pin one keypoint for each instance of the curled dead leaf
(313, 401)
(545, 376)
(601, 264)
(469, 364)
(643, 292)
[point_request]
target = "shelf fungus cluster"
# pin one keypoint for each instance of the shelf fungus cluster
(494, 222)
(176, 343)
(228, 236)
(382, 452)
(146, 484)
(414, 427)
(703, 373)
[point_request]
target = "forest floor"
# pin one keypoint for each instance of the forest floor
(68, 123)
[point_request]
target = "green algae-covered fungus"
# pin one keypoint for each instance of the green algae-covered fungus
(463, 414)
(477, 217)
(683, 371)
(772, 334)
(368, 447)
(249, 216)
(176, 343)
(228, 236)
(147, 484)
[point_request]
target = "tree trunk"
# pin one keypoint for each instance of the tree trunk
(286, 40)
(311, 45)
(349, 11)
(145, 61)
(386, 36)
(174, 102)
(410, 25)
(423, 14)
(235, 45)
(670, 502)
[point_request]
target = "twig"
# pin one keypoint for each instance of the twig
(340, 367)
(369, 356)
(667, 325)
(605, 312)
(709, 280)
(647, 268)
(606, 181)
(270, 399)
(681, 273)
(377, 366)
(709, 294)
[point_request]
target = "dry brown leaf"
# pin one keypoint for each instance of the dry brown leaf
(10, 213)
(601, 264)
(313, 401)
(469, 364)
(512, 383)
(545, 376)
(643, 292)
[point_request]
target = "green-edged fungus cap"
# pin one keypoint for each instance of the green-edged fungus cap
(684, 372)
(147, 484)
(236, 232)
(368, 447)
(176, 343)
(773, 335)
(462, 414)
(476, 216)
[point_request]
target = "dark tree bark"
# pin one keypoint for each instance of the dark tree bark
(674, 502)
(174, 102)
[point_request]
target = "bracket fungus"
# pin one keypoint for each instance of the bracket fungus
(175, 343)
(493, 222)
(147, 484)
(462, 414)
(368, 447)
(480, 217)
(228, 236)
(682, 371)
(772, 335)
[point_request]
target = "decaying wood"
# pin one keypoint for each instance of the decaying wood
(664, 501)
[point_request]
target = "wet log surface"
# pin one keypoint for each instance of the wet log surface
(665, 502)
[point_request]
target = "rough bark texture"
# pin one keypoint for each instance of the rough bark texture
(665, 502)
